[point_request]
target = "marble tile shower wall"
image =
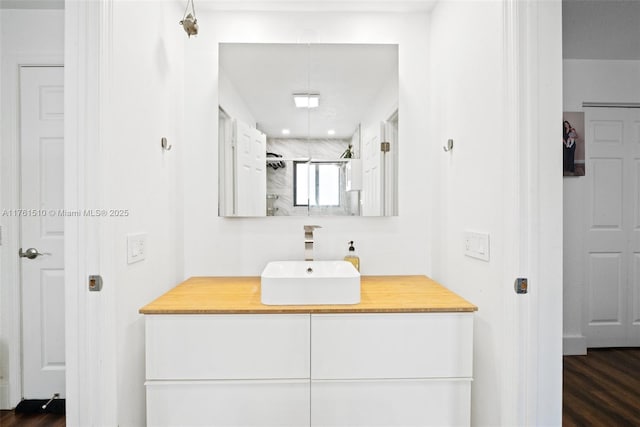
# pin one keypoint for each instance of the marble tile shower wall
(280, 180)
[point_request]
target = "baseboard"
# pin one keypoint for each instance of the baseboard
(574, 345)
(4, 396)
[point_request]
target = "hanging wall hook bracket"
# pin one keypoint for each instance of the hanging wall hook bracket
(165, 144)
(449, 146)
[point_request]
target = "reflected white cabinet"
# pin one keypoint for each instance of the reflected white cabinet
(309, 369)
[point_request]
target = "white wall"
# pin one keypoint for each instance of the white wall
(586, 81)
(242, 246)
(440, 195)
(26, 37)
(478, 187)
(384, 103)
(145, 103)
(599, 81)
(466, 106)
(231, 101)
(601, 29)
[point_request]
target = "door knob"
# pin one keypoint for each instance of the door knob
(31, 253)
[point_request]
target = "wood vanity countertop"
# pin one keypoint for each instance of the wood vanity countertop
(241, 295)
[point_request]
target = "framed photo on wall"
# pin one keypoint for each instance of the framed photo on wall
(573, 143)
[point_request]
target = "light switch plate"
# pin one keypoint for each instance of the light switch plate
(476, 245)
(136, 247)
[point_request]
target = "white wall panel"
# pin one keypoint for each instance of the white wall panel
(636, 194)
(607, 132)
(605, 293)
(52, 318)
(635, 292)
(635, 129)
(51, 186)
(260, 240)
(51, 103)
(606, 203)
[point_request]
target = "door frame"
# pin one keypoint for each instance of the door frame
(10, 277)
(91, 341)
(390, 202)
(531, 392)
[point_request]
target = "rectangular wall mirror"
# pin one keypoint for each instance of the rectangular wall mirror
(308, 129)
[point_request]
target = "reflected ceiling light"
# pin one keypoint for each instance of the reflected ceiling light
(306, 100)
(331, 132)
(286, 131)
(189, 21)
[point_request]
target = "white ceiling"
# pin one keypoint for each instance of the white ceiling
(601, 29)
(347, 77)
(319, 5)
(263, 5)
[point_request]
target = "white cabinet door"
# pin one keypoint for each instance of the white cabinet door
(190, 347)
(228, 403)
(405, 403)
(366, 346)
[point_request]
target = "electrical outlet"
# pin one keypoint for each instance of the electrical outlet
(476, 245)
(136, 247)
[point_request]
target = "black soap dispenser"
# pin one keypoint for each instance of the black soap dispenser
(352, 257)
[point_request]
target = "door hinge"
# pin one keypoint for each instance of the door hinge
(385, 147)
(521, 285)
(95, 283)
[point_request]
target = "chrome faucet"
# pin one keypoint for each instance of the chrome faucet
(308, 241)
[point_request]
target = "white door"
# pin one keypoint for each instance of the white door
(251, 171)
(612, 235)
(42, 228)
(372, 203)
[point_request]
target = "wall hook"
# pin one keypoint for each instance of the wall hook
(165, 145)
(449, 145)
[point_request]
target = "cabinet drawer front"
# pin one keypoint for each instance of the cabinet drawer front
(404, 403)
(228, 403)
(361, 346)
(227, 346)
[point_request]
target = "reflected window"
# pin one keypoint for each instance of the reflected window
(316, 184)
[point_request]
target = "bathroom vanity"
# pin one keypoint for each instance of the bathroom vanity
(215, 356)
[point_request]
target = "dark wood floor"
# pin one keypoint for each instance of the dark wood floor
(602, 388)
(10, 419)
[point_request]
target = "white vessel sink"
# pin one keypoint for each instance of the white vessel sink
(309, 283)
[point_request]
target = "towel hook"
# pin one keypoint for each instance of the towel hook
(165, 145)
(449, 145)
